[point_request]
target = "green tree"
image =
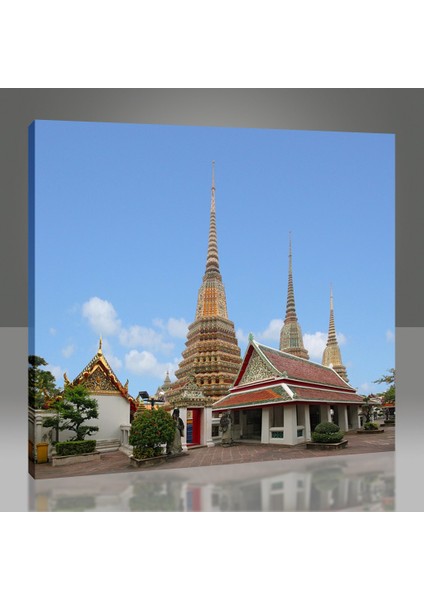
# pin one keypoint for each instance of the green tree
(390, 394)
(40, 382)
(149, 430)
(75, 407)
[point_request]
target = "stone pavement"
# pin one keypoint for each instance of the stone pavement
(241, 452)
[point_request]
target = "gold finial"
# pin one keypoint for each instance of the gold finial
(99, 351)
(65, 377)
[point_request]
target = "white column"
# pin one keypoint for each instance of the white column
(343, 422)
(38, 433)
(355, 417)
(265, 425)
(325, 414)
(307, 420)
(290, 424)
(183, 416)
(206, 431)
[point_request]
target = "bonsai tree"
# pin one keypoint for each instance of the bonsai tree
(367, 408)
(40, 382)
(328, 433)
(74, 408)
(151, 429)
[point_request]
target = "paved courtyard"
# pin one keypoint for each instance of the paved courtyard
(242, 452)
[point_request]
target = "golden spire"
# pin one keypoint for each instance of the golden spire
(211, 300)
(100, 351)
(332, 356)
(291, 339)
(212, 262)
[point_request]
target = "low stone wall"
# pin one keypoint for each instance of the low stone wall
(329, 446)
(75, 458)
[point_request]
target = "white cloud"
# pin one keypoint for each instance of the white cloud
(315, 344)
(146, 363)
(390, 336)
(272, 332)
(57, 373)
(364, 387)
(242, 337)
(137, 335)
(102, 316)
(174, 327)
(341, 338)
(68, 350)
(177, 327)
(114, 361)
(52, 331)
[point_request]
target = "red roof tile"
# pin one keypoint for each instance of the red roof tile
(307, 393)
(301, 369)
(254, 397)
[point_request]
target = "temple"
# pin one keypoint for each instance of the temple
(332, 356)
(279, 398)
(116, 406)
(291, 339)
(211, 359)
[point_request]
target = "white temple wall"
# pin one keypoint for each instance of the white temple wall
(114, 411)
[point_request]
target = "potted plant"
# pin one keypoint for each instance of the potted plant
(327, 435)
(370, 427)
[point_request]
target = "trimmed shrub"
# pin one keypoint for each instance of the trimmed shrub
(149, 430)
(75, 447)
(328, 433)
(370, 425)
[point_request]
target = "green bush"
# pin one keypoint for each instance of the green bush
(370, 425)
(75, 447)
(328, 433)
(149, 430)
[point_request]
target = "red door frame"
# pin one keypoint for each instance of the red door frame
(195, 440)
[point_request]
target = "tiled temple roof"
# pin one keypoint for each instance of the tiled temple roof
(301, 369)
(307, 393)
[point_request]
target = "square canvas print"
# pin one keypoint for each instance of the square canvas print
(211, 317)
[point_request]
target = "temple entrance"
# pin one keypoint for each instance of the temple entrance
(315, 416)
(193, 426)
(252, 429)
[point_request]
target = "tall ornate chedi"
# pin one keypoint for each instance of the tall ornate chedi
(332, 356)
(212, 358)
(291, 340)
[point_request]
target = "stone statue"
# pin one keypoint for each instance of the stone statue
(225, 424)
(176, 446)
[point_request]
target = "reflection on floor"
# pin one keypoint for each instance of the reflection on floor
(361, 482)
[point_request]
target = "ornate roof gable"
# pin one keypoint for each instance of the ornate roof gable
(98, 377)
(300, 369)
(255, 366)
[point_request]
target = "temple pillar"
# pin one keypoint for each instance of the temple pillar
(307, 421)
(343, 421)
(265, 425)
(325, 414)
(354, 416)
(290, 424)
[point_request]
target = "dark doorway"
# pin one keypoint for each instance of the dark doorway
(315, 416)
(253, 429)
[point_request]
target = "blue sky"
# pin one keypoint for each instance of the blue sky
(121, 232)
